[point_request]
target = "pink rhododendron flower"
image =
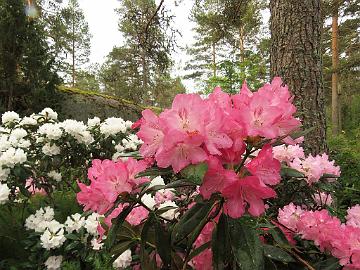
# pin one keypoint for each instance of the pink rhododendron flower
(109, 179)
(203, 261)
(180, 156)
(164, 196)
(151, 133)
(315, 167)
(246, 191)
(287, 153)
(137, 215)
(353, 216)
(216, 178)
(265, 167)
(289, 216)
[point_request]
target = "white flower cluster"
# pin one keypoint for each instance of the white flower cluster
(27, 140)
(53, 232)
(123, 261)
(4, 193)
(163, 198)
(54, 262)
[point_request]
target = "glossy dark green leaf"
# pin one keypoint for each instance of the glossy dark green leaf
(329, 264)
(195, 173)
(245, 245)
(277, 254)
(221, 244)
(116, 224)
(120, 248)
(190, 221)
(145, 261)
(162, 241)
(290, 172)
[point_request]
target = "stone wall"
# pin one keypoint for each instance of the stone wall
(81, 105)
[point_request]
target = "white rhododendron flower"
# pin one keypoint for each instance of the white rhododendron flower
(39, 221)
(171, 213)
(113, 126)
(50, 150)
(74, 223)
(4, 173)
(124, 260)
(13, 156)
(96, 245)
(49, 113)
(4, 193)
(53, 236)
(91, 224)
(54, 262)
(55, 175)
(9, 117)
(28, 121)
(50, 131)
(149, 201)
(92, 122)
(18, 133)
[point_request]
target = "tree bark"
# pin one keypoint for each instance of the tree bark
(335, 112)
(296, 57)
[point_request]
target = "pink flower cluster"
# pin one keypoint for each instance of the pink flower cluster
(353, 216)
(327, 232)
(215, 130)
(312, 167)
(195, 129)
(315, 167)
(110, 179)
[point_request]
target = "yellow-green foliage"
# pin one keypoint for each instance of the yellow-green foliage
(122, 101)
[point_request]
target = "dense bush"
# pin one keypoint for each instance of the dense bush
(221, 183)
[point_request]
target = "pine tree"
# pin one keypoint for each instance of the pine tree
(27, 72)
(139, 68)
(75, 34)
(229, 45)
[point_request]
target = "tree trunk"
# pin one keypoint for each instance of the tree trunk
(335, 112)
(214, 58)
(241, 43)
(296, 57)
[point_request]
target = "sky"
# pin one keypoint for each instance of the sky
(103, 24)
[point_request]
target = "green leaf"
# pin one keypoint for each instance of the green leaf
(195, 173)
(72, 236)
(190, 221)
(120, 248)
(174, 184)
(144, 255)
(290, 172)
(245, 245)
(329, 264)
(220, 244)
(117, 222)
(200, 249)
(277, 254)
(162, 242)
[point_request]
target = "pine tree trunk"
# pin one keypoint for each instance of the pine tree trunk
(214, 58)
(296, 57)
(335, 112)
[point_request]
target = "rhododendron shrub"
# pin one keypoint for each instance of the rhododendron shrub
(40, 154)
(205, 191)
